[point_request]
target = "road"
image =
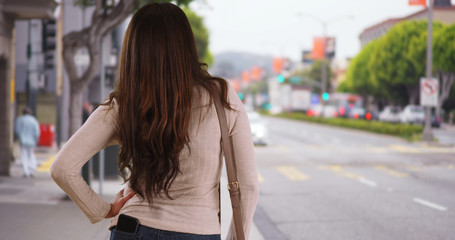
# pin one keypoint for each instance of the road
(321, 182)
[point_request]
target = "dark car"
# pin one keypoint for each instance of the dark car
(435, 120)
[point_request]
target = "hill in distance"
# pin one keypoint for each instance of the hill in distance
(230, 64)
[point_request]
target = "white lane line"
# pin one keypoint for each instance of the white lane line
(367, 182)
(430, 204)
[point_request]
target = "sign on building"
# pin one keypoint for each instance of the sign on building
(429, 89)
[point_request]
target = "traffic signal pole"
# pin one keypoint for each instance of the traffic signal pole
(427, 134)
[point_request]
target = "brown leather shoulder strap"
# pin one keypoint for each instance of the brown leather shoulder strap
(233, 184)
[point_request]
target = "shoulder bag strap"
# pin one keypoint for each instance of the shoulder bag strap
(233, 184)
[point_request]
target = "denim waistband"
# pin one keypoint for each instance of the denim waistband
(149, 233)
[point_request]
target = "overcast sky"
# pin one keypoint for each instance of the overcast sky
(273, 27)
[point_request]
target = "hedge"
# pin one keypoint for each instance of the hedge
(407, 131)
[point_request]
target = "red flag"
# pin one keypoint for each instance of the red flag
(418, 3)
(245, 76)
(318, 48)
(235, 84)
(256, 73)
(277, 65)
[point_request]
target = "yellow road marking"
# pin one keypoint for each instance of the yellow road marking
(283, 148)
(292, 173)
(335, 168)
(436, 149)
(405, 149)
(392, 172)
(351, 175)
(377, 149)
(414, 168)
(441, 150)
(46, 165)
(260, 178)
(339, 170)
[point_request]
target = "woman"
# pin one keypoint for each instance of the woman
(162, 116)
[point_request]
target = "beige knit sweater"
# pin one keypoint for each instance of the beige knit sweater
(195, 204)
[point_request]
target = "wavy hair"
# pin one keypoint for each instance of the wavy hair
(158, 69)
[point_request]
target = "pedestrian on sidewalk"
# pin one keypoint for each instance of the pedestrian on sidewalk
(27, 131)
(162, 115)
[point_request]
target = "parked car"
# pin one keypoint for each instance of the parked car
(258, 128)
(344, 110)
(412, 114)
(435, 120)
(357, 113)
(330, 111)
(315, 111)
(390, 114)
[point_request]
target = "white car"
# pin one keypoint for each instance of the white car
(316, 110)
(258, 128)
(330, 111)
(413, 114)
(390, 114)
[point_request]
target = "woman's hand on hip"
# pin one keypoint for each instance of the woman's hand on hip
(117, 203)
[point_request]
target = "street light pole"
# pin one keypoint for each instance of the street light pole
(324, 35)
(324, 63)
(427, 134)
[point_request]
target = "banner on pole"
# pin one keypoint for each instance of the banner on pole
(418, 3)
(429, 89)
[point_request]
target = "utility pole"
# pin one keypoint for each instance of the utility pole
(32, 68)
(324, 63)
(324, 36)
(427, 134)
(102, 98)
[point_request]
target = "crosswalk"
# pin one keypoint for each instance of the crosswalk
(46, 165)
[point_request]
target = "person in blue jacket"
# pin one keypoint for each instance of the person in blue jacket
(27, 130)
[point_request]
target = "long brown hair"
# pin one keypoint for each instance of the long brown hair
(158, 69)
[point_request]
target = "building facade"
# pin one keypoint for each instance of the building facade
(441, 12)
(10, 11)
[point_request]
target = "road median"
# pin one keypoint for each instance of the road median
(409, 132)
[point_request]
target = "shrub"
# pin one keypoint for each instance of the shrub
(409, 132)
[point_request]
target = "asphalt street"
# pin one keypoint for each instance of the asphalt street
(316, 182)
(322, 182)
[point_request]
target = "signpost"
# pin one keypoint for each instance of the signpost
(429, 88)
(427, 134)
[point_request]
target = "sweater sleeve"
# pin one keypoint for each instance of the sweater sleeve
(96, 134)
(245, 162)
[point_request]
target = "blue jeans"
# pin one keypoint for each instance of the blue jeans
(148, 233)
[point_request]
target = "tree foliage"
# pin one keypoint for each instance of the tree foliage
(201, 36)
(444, 62)
(359, 78)
(399, 59)
(391, 67)
(315, 73)
(106, 16)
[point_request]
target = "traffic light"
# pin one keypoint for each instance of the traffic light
(241, 96)
(49, 42)
(280, 78)
(325, 96)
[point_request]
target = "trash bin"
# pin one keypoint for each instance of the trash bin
(47, 135)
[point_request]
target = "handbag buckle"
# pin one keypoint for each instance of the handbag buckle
(236, 184)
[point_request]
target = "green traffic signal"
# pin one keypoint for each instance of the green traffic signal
(280, 78)
(241, 96)
(325, 96)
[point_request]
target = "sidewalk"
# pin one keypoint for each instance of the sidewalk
(34, 208)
